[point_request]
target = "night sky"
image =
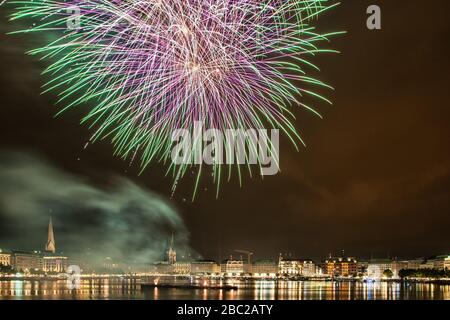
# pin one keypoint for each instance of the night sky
(374, 178)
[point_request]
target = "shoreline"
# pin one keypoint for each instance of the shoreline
(140, 278)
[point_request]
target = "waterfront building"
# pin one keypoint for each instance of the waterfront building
(398, 265)
(27, 260)
(382, 264)
(340, 267)
(170, 265)
(308, 268)
(415, 263)
(427, 264)
(329, 266)
(290, 266)
(163, 267)
(182, 267)
(377, 267)
(265, 269)
(5, 257)
(171, 254)
(54, 263)
(205, 267)
(440, 262)
(51, 261)
(232, 267)
(347, 267)
(374, 272)
(319, 270)
(109, 264)
(361, 267)
(142, 268)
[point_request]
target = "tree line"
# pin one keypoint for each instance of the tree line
(424, 273)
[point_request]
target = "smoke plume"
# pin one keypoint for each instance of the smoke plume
(125, 221)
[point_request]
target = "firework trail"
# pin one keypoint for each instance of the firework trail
(148, 67)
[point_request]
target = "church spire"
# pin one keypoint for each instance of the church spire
(171, 253)
(50, 246)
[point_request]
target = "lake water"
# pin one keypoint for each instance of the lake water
(248, 290)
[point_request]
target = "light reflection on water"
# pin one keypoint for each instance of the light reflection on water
(249, 290)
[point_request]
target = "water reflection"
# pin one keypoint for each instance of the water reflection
(252, 290)
(57, 289)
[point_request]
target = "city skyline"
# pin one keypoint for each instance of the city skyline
(169, 254)
(359, 278)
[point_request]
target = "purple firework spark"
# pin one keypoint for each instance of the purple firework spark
(149, 67)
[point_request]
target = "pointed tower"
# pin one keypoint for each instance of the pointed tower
(50, 246)
(171, 253)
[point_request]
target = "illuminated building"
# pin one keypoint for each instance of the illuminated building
(265, 268)
(340, 266)
(205, 267)
(374, 271)
(50, 246)
(361, 267)
(378, 266)
(26, 260)
(170, 265)
(414, 263)
(54, 263)
(35, 260)
(141, 268)
(347, 267)
(398, 265)
(427, 264)
(5, 257)
(441, 262)
(171, 254)
(232, 267)
(308, 268)
(329, 266)
(163, 268)
(110, 264)
(290, 267)
(182, 267)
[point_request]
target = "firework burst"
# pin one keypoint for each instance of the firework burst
(148, 67)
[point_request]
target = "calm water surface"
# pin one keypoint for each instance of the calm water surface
(249, 290)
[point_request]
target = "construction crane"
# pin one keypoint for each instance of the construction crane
(248, 253)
